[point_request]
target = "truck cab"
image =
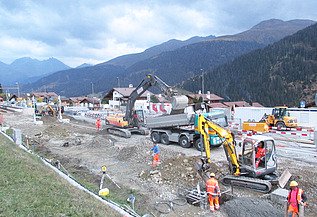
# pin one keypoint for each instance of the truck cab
(217, 117)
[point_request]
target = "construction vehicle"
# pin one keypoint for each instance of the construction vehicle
(46, 109)
(279, 118)
(182, 129)
(245, 170)
(124, 125)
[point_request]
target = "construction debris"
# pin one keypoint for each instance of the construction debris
(129, 166)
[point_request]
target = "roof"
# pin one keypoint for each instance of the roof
(206, 97)
(217, 105)
(91, 100)
(237, 104)
(77, 99)
(125, 92)
(256, 104)
(44, 94)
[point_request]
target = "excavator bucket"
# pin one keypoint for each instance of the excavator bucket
(202, 167)
(286, 175)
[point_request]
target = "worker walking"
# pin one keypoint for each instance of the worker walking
(156, 155)
(213, 192)
(98, 124)
(296, 197)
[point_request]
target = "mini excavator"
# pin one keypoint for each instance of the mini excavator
(245, 170)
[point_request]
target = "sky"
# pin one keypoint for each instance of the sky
(95, 31)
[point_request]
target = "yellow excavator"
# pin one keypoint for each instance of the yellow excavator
(249, 169)
(46, 109)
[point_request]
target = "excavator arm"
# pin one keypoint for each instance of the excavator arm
(204, 124)
(145, 84)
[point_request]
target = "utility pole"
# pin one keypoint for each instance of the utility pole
(118, 82)
(18, 87)
(202, 82)
(92, 88)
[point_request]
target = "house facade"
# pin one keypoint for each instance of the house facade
(119, 97)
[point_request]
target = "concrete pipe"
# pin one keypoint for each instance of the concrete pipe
(179, 102)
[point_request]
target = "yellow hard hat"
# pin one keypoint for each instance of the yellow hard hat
(104, 192)
(212, 175)
(293, 184)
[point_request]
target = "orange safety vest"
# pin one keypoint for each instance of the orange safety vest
(212, 186)
(295, 201)
(260, 153)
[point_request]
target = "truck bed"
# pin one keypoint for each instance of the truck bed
(170, 121)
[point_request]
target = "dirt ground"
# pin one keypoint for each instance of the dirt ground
(83, 151)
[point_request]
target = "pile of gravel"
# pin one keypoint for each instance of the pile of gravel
(250, 207)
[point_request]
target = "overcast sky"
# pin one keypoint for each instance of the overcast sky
(94, 31)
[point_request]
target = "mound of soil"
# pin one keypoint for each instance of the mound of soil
(249, 207)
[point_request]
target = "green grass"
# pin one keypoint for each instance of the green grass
(28, 188)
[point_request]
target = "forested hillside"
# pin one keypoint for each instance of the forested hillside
(282, 73)
(79, 81)
(185, 62)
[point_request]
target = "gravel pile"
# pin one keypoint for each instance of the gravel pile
(250, 207)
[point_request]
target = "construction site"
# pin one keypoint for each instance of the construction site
(113, 159)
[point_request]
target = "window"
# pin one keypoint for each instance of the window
(247, 153)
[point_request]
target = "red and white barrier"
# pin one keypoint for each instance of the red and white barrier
(294, 129)
(309, 134)
(299, 133)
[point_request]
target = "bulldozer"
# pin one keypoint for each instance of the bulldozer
(280, 118)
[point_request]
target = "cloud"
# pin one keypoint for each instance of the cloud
(95, 31)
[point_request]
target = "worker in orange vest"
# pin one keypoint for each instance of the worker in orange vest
(98, 124)
(213, 192)
(156, 155)
(295, 198)
(260, 154)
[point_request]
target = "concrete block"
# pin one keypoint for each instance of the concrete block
(279, 196)
(38, 122)
(67, 121)
(17, 136)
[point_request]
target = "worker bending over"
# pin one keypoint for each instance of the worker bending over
(213, 192)
(295, 198)
(156, 155)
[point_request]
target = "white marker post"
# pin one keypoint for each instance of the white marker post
(59, 107)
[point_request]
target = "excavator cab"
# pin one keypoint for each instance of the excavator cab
(258, 157)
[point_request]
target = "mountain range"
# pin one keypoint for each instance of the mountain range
(283, 73)
(173, 61)
(26, 69)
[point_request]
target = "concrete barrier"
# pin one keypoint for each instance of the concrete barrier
(17, 136)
